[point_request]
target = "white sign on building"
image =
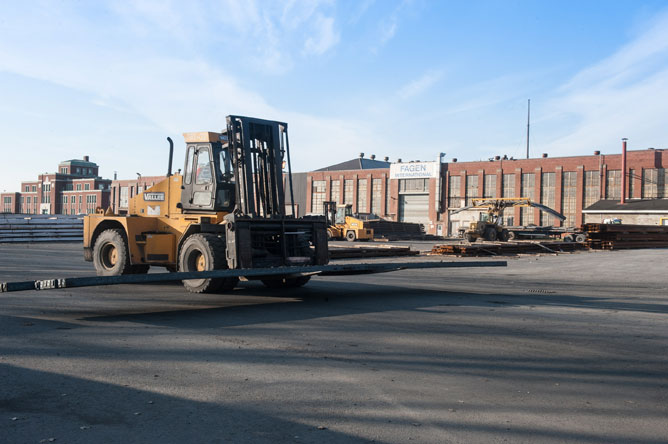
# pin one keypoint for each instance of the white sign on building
(415, 170)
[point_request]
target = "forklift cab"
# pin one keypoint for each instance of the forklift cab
(342, 211)
(208, 179)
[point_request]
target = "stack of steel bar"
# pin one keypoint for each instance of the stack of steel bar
(620, 236)
(359, 252)
(389, 230)
(40, 228)
(507, 248)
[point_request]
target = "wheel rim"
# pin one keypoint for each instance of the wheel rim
(195, 261)
(200, 262)
(109, 256)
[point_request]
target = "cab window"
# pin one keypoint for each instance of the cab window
(203, 167)
(189, 164)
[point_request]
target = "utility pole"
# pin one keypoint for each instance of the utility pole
(528, 123)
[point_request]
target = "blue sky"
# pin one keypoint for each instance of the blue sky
(404, 79)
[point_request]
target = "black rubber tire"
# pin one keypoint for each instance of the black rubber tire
(568, 238)
(470, 237)
(580, 238)
(511, 235)
(139, 269)
(490, 234)
(350, 236)
(110, 253)
(503, 235)
(286, 282)
(212, 248)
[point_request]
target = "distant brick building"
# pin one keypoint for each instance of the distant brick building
(428, 192)
(75, 189)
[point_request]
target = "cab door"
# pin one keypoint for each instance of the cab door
(198, 182)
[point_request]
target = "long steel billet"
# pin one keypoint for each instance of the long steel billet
(320, 270)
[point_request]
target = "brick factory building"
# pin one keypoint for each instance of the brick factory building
(582, 188)
(75, 189)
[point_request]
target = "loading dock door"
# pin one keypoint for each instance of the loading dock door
(414, 208)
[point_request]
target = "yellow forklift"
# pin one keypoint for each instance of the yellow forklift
(342, 224)
(226, 211)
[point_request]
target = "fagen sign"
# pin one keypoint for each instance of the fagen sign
(414, 170)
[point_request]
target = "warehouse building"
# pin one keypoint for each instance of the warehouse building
(582, 188)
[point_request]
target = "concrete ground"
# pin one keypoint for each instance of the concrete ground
(552, 349)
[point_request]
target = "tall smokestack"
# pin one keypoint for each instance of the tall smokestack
(623, 170)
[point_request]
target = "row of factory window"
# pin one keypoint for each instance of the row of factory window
(359, 198)
(77, 170)
(46, 187)
(654, 185)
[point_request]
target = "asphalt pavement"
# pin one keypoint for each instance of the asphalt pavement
(569, 348)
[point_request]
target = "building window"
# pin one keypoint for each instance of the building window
(317, 196)
(46, 187)
(376, 195)
(348, 192)
(489, 191)
(361, 196)
(86, 186)
(592, 188)
(655, 183)
(413, 185)
(455, 191)
(569, 197)
(508, 185)
(27, 188)
(613, 185)
(78, 187)
(508, 190)
(547, 197)
(632, 183)
(34, 188)
(63, 170)
(123, 202)
(28, 199)
(527, 188)
(471, 188)
(73, 199)
(336, 190)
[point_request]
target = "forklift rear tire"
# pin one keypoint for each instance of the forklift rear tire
(286, 282)
(504, 235)
(490, 234)
(139, 269)
(110, 253)
(350, 236)
(470, 237)
(205, 252)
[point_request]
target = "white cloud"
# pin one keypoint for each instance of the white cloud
(420, 85)
(623, 95)
(324, 36)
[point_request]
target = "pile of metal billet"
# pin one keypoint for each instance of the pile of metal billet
(362, 252)
(506, 248)
(620, 236)
(40, 228)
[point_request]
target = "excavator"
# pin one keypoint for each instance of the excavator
(490, 227)
(342, 224)
(226, 211)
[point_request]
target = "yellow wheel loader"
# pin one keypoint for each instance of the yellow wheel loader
(343, 225)
(226, 211)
